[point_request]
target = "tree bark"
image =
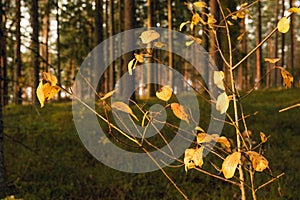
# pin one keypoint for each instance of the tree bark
(294, 48)
(259, 50)
(17, 56)
(3, 65)
(111, 48)
(128, 82)
(45, 47)
(170, 42)
(58, 48)
(35, 46)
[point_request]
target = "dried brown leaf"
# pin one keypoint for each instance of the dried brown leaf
(230, 164)
(259, 162)
(179, 112)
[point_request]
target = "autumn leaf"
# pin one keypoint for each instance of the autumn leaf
(229, 23)
(40, 94)
(164, 93)
(183, 24)
(272, 60)
(294, 10)
(124, 108)
(223, 140)
(230, 164)
(283, 25)
(218, 79)
(179, 112)
(49, 78)
(107, 95)
(241, 14)
(199, 5)
(240, 37)
(149, 36)
(139, 57)
(259, 162)
(222, 103)
(211, 20)
(287, 77)
(131, 66)
(158, 44)
(263, 137)
(193, 158)
(206, 138)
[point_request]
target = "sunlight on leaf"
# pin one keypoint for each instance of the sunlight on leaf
(230, 164)
(139, 57)
(206, 138)
(164, 93)
(179, 112)
(196, 19)
(40, 94)
(224, 141)
(109, 94)
(229, 23)
(294, 10)
(241, 36)
(189, 43)
(218, 79)
(259, 162)
(131, 66)
(263, 137)
(222, 103)
(287, 77)
(158, 44)
(199, 5)
(183, 24)
(149, 36)
(49, 78)
(241, 14)
(272, 60)
(124, 108)
(193, 158)
(283, 25)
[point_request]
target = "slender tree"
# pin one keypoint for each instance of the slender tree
(46, 29)
(3, 65)
(170, 41)
(259, 50)
(35, 46)
(17, 56)
(58, 46)
(111, 46)
(128, 82)
(294, 42)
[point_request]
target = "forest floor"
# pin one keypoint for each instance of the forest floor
(45, 158)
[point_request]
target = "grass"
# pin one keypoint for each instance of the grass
(45, 158)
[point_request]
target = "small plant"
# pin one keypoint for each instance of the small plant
(238, 155)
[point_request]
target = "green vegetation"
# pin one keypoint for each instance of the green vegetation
(45, 158)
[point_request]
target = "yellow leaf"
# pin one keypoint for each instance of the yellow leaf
(199, 5)
(158, 44)
(234, 17)
(294, 10)
(107, 95)
(241, 14)
(196, 39)
(50, 78)
(218, 79)
(139, 57)
(198, 128)
(272, 60)
(222, 103)
(259, 162)
(263, 137)
(164, 93)
(211, 19)
(229, 23)
(131, 65)
(244, 4)
(149, 36)
(287, 77)
(40, 94)
(124, 108)
(193, 158)
(223, 140)
(50, 91)
(240, 37)
(196, 19)
(189, 43)
(183, 24)
(230, 164)
(179, 112)
(283, 25)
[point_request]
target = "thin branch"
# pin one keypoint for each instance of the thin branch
(270, 181)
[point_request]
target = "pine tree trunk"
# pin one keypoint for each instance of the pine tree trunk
(259, 50)
(128, 82)
(17, 56)
(35, 46)
(170, 42)
(111, 48)
(294, 50)
(58, 48)
(45, 47)
(3, 65)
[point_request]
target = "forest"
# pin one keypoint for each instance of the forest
(143, 66)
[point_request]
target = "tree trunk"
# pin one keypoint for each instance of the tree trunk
(17, 56)
(243, 51)
(259, 50)
(3, 65)
(276, 72)
(45, 47)
(170, 42)
(58, 48)
(294, 50)
(111, 46)
(282, 37)
(35, 46)
(128, 82)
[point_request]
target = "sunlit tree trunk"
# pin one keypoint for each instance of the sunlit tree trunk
(259, 50)
(17, 56)
(294, 48)
(45, 46)
(170, 41)
(99, 38)
(35, 46)
(111, 48)
(282, 37)
(3, 65)
(128, 82)
(276, 72)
